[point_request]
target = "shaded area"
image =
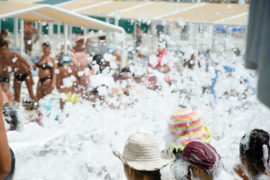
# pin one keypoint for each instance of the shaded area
(52, 2)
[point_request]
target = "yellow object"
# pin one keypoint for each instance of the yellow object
(180, 147)
(73, 98)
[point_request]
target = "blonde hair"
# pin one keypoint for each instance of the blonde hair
(133, 174)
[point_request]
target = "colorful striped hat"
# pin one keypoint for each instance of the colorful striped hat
(185, 125)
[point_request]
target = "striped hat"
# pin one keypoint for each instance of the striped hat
(185, 125)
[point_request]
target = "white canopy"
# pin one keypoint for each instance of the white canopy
(34, 12)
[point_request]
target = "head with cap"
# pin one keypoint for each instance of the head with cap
(203, 160)
(185, 126)
(141, 157)
(255, 152)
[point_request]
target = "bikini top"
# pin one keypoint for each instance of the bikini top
(4, 79)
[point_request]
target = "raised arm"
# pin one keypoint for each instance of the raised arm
(5, 159)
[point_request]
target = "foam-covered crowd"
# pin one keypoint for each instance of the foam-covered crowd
(110, 80)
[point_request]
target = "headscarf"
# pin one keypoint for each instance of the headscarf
(201, 154)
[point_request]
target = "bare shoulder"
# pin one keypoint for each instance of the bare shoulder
(16, 55)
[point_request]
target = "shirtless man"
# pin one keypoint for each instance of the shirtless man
(29, 30)
(80, 52)
(47, 75)
(15, 63)
(67, 78)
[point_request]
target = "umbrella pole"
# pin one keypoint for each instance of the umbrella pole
(50, 33)
(15, 33)
(22, 36)
(69, 32)
(123, 52)
(58, 32)
(65, 38)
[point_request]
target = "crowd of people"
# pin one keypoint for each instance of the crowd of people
(190, 154)
(188, 151)
(70, 72)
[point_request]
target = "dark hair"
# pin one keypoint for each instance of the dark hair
(143, 175)
(251, 148)
(102, 38)
(3, 43)
(100, 62)
(46, 44)
(3, 31)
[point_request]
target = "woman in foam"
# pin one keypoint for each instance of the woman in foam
(159, 63)
(254, 156)
(199, 160)
(83, 70)
(46, 72)
(185, 126)
(67, 78)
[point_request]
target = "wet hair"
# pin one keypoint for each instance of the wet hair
(3, 43)
(142, 175)
(100, 62)
(11, 117)
(252, 149)
(103, 38)
(46, 44)
(125, 70)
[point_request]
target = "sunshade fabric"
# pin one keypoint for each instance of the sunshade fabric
(222, 13)
(33, 12)
(212, 13)
(82, 4)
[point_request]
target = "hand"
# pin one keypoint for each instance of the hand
(52, 86)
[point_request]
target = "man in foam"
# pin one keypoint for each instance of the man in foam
(29, 30)
(14, 63)
(83, 72)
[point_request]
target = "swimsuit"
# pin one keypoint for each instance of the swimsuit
(21, 77)
(13, 160)
(4, 79)
(42, 80)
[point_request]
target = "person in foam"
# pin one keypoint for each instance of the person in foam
(142, 159)
(254, 156)
(15, 63)
(186, 125)
(67, 77)
(199, 160)
(79, 50)
(47, 75)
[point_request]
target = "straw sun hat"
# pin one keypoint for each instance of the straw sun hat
(141, 152)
